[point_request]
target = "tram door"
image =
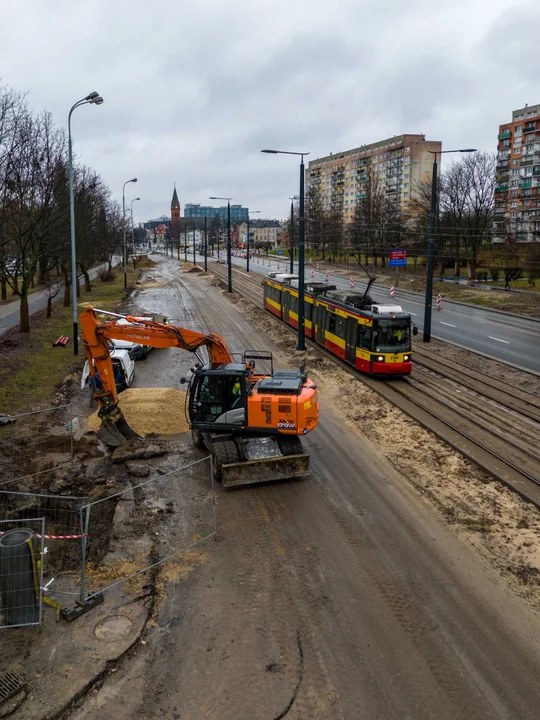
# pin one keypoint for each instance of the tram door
(350, 340)
(286, 299)
(320, 323)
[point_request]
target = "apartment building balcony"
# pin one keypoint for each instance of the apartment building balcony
(361, 196)
(505, 134)
(525, 184)
(503, 165)
(501, 188)
(529, 128)
(527, 160)
(536, 170)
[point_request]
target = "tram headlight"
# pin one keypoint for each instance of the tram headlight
(406, 358)
(380, 358)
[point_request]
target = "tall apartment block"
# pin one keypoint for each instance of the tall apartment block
(395, 164)
(517, 190)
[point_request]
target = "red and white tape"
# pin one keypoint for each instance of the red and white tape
(55, 537)
(391, 291)
(352, 282)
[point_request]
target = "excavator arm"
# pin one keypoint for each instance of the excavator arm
(96, 335)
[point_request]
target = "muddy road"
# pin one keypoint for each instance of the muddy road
(341, 596)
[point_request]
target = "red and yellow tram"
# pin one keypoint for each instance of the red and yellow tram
(376, 341)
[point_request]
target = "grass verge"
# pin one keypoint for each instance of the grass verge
(31, 368)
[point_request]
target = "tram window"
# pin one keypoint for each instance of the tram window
(340, 327)
(309, 311)
(294, 303)
(364, 337)
(331, 323)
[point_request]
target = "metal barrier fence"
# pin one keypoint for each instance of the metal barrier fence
(62, 518)
(21, 571)
(177, 507)
(33, 444)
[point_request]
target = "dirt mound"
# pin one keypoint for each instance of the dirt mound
(189, 267)
(151, 410)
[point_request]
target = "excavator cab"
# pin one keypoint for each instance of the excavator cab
(218, 397)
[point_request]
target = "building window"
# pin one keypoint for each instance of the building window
(515, 162)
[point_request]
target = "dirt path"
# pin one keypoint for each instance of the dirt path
(342, 596)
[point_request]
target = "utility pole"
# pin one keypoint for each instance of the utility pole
(205, 247)
(194, 258)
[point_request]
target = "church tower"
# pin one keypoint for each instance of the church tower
(175, 206)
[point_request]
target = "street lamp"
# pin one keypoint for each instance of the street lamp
(132, 231)
(124, 217)
(431, 239)
(247, 257)
(229, 262)
(291, 236)
(93, 98)
(301, 246)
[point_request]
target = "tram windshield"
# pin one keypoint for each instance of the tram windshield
(391, 335)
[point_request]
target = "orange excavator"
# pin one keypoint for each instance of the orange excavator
(250, 423)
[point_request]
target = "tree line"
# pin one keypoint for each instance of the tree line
(463, 229)
(35, 245)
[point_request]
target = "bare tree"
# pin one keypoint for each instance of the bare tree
(32, 177)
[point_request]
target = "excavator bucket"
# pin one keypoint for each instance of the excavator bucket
(115, 429)
(251, 472)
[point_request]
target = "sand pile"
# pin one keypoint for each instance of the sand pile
(151, 410)
(189, 267)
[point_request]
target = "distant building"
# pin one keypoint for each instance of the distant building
(175, 206)
(238, 213)
(262, 232)
(396, 164)
(517, 193)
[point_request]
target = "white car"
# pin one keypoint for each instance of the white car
(124, 369)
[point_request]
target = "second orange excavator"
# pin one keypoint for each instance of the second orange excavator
(250, 422)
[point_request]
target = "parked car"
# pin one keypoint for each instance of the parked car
(137, 351)
(124, 370)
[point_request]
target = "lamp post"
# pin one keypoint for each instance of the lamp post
(124, 217)
(229, 262)
(301, 246)
(132, 231)
(431, 239)
(93, 98)
(205, 247)
(291, 236)
(185, 243)
(193, 231)
(247, 256)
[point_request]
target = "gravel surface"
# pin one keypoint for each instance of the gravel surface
(357, 593)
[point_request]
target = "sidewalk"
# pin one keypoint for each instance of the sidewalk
(9, 313)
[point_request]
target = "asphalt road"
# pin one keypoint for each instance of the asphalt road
(346, 593)
(510, 339)
(9, 313)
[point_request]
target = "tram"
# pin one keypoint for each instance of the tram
(377, 341)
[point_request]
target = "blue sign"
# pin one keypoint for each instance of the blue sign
(280, 252)
(397, 262)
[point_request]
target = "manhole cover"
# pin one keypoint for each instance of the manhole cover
(113, 628)
(10, 685)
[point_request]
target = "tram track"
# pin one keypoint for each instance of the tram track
(464, 407)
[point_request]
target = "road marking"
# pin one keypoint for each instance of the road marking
(413, 313)
(449, 324)
(507, 342)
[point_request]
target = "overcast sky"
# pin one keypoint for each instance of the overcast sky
(195, 89)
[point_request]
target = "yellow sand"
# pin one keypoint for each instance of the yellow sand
(151, 410)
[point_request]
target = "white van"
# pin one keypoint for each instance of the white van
(123, 365)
